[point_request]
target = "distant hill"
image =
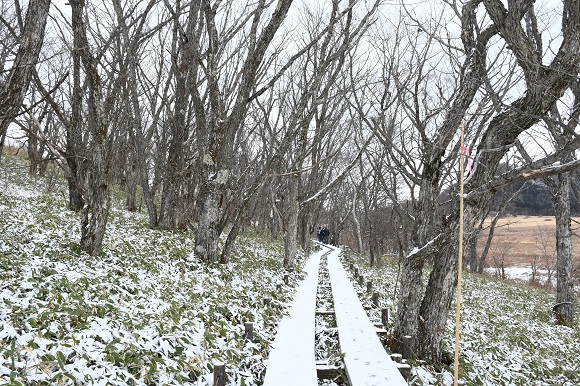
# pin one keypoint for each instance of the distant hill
(532, 200)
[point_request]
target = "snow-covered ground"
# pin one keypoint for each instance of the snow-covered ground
(144, 312)
(508, 334)
(523, 274)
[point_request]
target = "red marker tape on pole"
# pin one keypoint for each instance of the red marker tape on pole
(466, 151)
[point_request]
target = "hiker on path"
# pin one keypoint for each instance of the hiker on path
(325, 234)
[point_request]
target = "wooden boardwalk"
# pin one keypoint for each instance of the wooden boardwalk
(292, 357)
(366, 361)
(292, 360)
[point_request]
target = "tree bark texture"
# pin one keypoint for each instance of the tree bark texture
(94, 214)
(31, 39)
(291, 229)
(175, 165)
(138, 140)
(564, 308)
(217, 129)
(357, 227)
(559, 187)
(74, 129)
(545, 85)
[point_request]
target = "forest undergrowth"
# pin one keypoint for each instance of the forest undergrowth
(147, 312)
(143, 312)
(508, 335)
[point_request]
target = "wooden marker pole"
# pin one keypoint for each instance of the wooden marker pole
(459, 258)
(219, 374)
(249, 331)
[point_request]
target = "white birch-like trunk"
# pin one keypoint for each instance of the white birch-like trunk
(95, 213)
(564, 308)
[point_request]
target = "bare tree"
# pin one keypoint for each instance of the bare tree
(545, 83)
(560, 187)
(94, 108)
(95, 211)
(478, 264)
(184, 68)
(130, 47)
(428, 150)
(547, 253)
(221, 104)
(29, 33)
(499, 256)
(217, 127)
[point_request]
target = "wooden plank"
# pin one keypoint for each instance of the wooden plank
(326, 371)
(366, 361)
(292, 357)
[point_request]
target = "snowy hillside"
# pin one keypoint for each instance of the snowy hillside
(508, 336)
(146, 312)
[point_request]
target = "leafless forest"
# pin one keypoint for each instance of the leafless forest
(282, 115)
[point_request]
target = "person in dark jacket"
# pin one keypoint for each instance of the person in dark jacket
(325, 234)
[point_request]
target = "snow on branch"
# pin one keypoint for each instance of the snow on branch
(523, 174)
(416, 251)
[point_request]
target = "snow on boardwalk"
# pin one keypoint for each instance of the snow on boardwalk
(366, 361)
(291, 359)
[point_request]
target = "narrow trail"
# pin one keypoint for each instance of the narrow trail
(307, 349)
(329, 362)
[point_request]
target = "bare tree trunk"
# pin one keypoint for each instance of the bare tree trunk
(359, 241)
(129, 66)
(95, 212)
(506, 199)
(407, 322)
(175, 165)
(208, 230)
(32, 150)
(291, 230)
(172, 184)
(241, 217)
(217, 131)
(74, 129)
(306, 227)
(131, 178)
(372, 245)
(75, 195)
(31, 38)
(411, 290)
(545, 86)
(564, 308)
(2, 141)
(435, 306)
(560, 187)
(148, 195)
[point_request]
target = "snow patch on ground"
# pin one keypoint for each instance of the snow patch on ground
(145, 311)
(523, 274)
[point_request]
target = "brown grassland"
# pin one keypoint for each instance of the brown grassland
(523, 241)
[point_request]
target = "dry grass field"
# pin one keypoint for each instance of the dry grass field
(528, 242)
